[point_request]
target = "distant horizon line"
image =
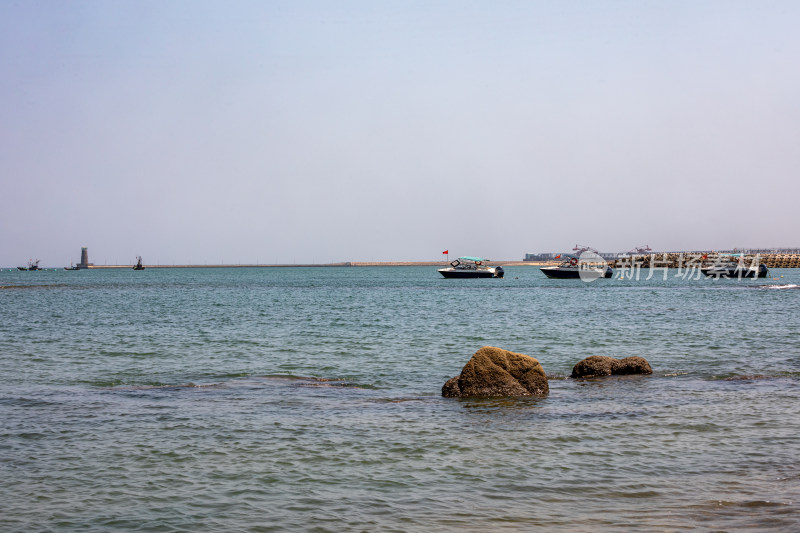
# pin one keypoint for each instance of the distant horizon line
(533, 258)
(283, 265)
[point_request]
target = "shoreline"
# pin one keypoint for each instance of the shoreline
(329, 265)
(347, 264)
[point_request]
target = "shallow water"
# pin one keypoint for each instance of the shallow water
(309, 399)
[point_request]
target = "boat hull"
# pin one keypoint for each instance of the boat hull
(573, 273)
(741, 273)
(465, 273)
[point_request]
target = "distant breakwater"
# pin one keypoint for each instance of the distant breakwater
(694, 259)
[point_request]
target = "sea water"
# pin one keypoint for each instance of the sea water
(274, 399)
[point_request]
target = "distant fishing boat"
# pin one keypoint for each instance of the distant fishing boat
(138, 265)
(471, 267)
(72, 267)
(32, 265)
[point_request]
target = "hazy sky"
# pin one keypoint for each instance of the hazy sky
(327, 131)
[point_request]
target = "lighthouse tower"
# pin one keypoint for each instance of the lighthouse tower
(84, 258)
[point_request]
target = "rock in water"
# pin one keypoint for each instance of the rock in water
(601, 365)
(450, 388)
(633, 365)
(596, 365)
(497, 372)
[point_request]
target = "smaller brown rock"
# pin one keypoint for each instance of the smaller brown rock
(633, 365)
(596, 365)
(601, 365)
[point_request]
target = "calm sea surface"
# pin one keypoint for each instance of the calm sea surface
(310, 399)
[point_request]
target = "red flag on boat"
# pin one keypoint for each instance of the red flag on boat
(446, 252)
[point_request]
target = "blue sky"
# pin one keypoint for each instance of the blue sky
(377, 131)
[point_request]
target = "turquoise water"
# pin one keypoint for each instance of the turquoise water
(310, 399)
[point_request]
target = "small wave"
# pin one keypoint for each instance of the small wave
(790, 286)
(751, 504)
(312, 381)
(164, 387)
(26, 402)
(39, 286)
(747, 377)
(228, 381)
(288, 377)
(337, 383)
(757, 377)
(398, 400)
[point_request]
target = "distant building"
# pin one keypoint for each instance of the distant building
(552, 256)
(540, 257)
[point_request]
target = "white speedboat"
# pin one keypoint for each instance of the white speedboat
(571, 269)
(471, 267)
(582, 265)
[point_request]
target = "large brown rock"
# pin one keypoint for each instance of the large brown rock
(601, 365)
(497, 372)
